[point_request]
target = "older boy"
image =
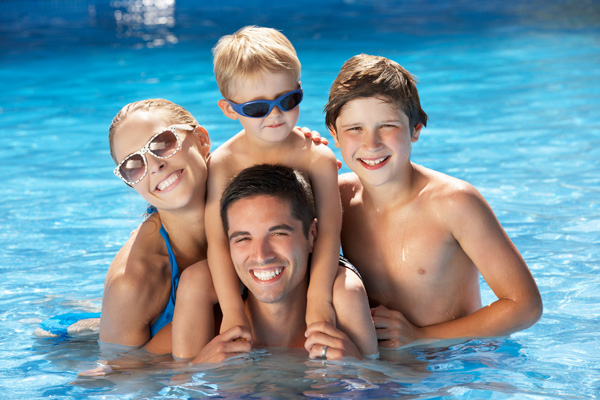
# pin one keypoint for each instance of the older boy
(258, 73)
(419, 237)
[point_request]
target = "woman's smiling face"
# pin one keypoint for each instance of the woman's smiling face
(171, 182)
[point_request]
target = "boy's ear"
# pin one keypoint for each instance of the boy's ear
(333, 133)
(416, 132)
(227, 109)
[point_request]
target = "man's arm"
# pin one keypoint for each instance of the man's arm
(352, 311)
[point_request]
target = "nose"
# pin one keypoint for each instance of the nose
(371, 140)
(155, 164)
(275, 113)
(262, 251)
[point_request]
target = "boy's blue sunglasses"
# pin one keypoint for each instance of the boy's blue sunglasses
(261, 108)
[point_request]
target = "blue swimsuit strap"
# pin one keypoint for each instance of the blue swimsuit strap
(59, 324)
(167, 314)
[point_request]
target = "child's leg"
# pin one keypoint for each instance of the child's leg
(193, 319)
(353, 313)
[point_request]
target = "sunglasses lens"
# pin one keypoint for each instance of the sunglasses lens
(133, 168)
(164, 145)
(290, 101)
(256, 110)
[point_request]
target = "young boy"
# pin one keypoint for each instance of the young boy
(418, 237)
(258, 73)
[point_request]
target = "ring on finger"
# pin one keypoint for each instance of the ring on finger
(324, 352)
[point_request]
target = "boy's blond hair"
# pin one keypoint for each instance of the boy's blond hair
(364, 76)
(249, 51)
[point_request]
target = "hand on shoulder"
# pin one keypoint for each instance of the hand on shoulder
(314, 135)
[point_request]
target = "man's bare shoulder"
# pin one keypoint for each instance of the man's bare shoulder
(350, 187)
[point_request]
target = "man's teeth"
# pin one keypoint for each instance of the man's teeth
(266, 275)
(169, 181)
(375, 161)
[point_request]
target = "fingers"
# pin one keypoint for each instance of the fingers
(324, 352)
(215, 352)
(235, 341)
(314, 135)
(393, 329)
(321, 334)
(322, 339)
(237, 332)
(383, 311)
(323, 327)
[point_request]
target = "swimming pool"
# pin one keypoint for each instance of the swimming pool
(512, 91)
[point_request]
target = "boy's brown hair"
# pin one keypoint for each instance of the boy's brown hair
(364, 76)
(249, 51)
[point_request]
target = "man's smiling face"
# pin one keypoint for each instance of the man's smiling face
(268, 247)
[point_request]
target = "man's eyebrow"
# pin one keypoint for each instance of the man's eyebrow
(280, 227)
(284, 227)
(238, 233)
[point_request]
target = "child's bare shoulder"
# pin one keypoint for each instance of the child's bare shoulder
(222, 163)
(225, 151)
(320, 151)
(448, 193)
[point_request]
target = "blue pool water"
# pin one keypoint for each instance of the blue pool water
(513, 92)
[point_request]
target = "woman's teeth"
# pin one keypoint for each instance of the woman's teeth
(169, 181)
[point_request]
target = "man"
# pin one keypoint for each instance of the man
(269, 217)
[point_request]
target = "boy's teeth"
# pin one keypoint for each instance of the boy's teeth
(166, 183)
(266, 275)
(374, 162)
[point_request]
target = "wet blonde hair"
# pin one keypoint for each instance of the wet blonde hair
(249, 51)
(173, 112)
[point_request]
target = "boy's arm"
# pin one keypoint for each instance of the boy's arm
(223, 273)
(483, 239)
(324, 262)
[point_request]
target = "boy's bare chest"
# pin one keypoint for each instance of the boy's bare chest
(400, 256)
